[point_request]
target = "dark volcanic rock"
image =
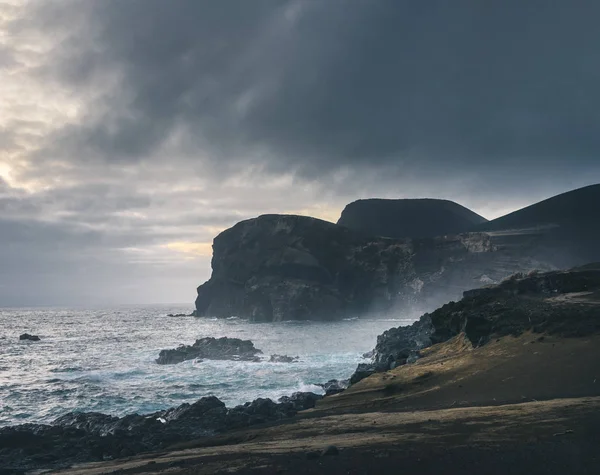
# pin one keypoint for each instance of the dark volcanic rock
(87, 437)
(278, 267)
(541, 302)
(283, 359)
(212, 349)
(335, 386)
(27, 336)
(397, 345)
(301, 401)
(538, 302)
(409, 218)
(363, 370)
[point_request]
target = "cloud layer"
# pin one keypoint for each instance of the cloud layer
(132, 131)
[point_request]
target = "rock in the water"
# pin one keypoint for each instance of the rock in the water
(335, 386)
(212, 349)
(27, 336)
(283, 359)
(181, 314)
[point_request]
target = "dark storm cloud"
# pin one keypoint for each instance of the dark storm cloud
(318, 85)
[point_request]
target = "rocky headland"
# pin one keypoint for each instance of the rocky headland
(284, 267)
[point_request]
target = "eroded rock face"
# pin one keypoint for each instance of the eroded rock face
(212, 349)
(279, 267)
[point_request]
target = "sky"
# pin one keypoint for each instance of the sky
(134, 131)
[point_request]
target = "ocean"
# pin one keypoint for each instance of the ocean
(104, 359)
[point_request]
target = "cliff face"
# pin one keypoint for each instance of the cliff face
(409, 218)
(279, 267)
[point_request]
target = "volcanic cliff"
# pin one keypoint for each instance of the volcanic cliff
(285, 267)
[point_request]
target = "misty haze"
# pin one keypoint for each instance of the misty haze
(296, 236)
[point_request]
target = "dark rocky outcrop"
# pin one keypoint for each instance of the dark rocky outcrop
(566, 303)
(301, 401)
(335, 386)
(86, 437)
(283, 359)
(408, 218)
(278, 267)
(213, 349)
(27, 336)
(400, 345)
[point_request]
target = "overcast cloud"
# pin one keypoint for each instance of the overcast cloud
(133, 131)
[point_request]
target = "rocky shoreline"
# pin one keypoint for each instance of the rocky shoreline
(79, 437)
(560, 304)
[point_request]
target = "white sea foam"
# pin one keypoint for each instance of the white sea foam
(103, 360)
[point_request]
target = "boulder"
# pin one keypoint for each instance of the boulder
(212, 349)
(335, 386)
(301, 400)
(283, 359)
(27, 336)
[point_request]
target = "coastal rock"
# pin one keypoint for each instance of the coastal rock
(213, 349)
(396, 345)
(87, 437)
(181, 314)
(280, 267)
(283, 359)
(27, 336)
(363, 370)
(523, 302)
(301, 401)
(335, 386)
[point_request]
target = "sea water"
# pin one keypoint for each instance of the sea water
(104, 359)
